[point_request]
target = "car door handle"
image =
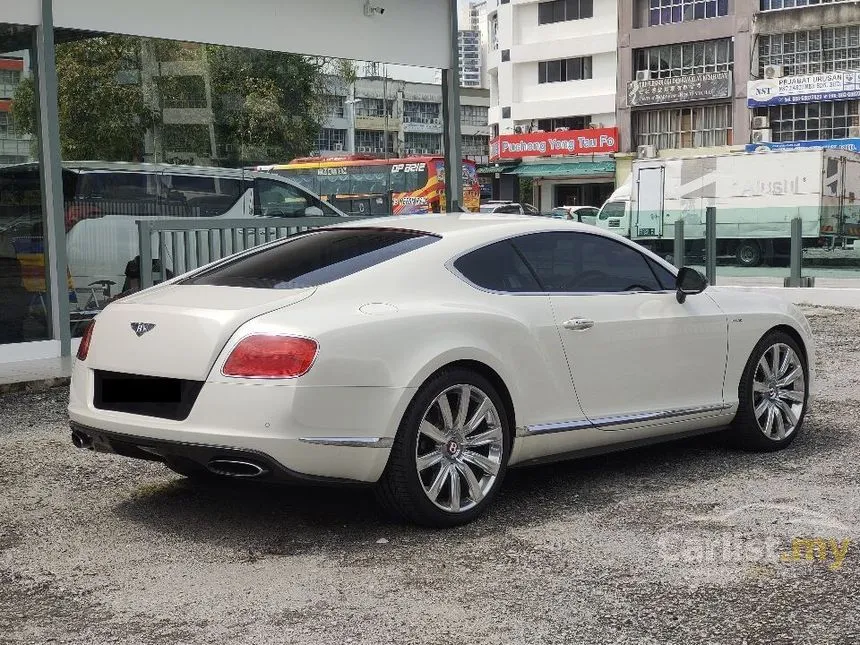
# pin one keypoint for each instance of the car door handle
(578, 324)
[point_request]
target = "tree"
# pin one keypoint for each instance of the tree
(101, 104)
(266, 105)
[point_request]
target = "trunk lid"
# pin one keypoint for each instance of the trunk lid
(178, 331)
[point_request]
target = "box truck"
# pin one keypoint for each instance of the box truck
(756, 195)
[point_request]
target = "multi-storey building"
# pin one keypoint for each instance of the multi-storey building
(394, 118)
(14, 146)
(469, 50)
(805, 84)
(683, 67)
(552, 75)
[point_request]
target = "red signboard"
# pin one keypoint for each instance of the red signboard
(553, 144)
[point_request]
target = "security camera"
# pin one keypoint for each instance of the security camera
(370, 10)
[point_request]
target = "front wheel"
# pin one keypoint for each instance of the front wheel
(748, 254)
(451, 451)
(773, 394)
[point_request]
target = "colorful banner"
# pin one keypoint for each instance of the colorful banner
(552, 144)
(830, 86)
(852, 145)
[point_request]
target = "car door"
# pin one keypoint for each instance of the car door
(635, 354)
(505, 285)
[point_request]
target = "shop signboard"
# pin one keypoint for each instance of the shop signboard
(554, 144)
(680, 89)
(852, 145)
(810, 88)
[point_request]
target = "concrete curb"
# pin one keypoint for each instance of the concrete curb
(37, 385)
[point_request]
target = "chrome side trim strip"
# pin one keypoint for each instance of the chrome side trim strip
(350, 442)
(604, 423)
(552, 428)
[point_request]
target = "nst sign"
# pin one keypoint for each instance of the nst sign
(552, 144)
(829, 86)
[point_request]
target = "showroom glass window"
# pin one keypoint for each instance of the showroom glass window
(583, 263)
(24, 297)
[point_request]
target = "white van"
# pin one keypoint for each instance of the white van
(104, 200)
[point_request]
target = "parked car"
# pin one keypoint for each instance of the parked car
(500, 206)
(584, 214)
(317, 358)
(104, 200)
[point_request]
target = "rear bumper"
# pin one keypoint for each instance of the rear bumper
(309, 433)
(194, 455)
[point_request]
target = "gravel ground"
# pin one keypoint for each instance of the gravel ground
(685, 543)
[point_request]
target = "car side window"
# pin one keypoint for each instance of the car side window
(497, 267)
(665, 277)
(613, 209)
(280, 199)
(584, 263)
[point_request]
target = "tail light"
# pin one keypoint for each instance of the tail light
(86, 339)
(264, 356)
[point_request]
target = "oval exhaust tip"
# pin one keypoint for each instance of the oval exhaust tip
(80, 440)
(236, 468)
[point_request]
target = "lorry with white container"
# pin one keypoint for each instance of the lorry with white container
(756, 195)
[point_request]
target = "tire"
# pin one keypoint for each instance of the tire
(759, 392)
(748, 254)
(427, 496)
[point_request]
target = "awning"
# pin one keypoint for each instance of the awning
(571, 169)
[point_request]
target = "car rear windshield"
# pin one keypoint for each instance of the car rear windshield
(313, 258)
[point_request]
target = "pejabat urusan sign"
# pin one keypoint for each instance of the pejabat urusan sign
(829, 86)
(554, 144)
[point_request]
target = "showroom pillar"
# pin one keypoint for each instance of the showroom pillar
(54, 235)
(451, 118)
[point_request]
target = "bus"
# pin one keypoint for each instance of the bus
(361, 185)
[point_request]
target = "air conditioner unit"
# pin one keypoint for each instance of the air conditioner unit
(764, 135)
(760, 123)
(643, 75)
(646, 152)
(338, 146)
(854, 131)
(774, 71)
(562, 129)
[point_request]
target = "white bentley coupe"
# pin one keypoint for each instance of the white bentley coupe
(427, 354)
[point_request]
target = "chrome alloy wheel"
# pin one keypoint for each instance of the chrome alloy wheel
(779, 391)
(460, 448)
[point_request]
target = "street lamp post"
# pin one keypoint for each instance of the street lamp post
(350, 135)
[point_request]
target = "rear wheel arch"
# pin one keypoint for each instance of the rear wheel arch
(492, 376)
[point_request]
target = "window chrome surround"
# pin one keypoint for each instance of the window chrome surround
(606, 423)
(350, 442)
(450, 266)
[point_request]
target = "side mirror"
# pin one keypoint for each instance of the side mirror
(688, 283)
(314, 211)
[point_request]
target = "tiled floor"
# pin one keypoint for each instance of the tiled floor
(49, 371)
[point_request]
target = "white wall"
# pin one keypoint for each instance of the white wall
(412, 32)
(515, 83)
(21, 12)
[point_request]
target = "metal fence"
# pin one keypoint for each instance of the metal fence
(174, 246)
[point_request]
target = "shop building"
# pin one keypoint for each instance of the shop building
(395, 118)
(552, 75)
(804, 86)
(683, 67)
